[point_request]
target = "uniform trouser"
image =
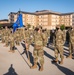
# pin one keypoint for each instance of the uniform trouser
(6, 40)
(18, 41)
(71, 48)
(45, 43)
(3, 40)
(59, 49)
(27, 44)
(12, 45)
(38, 55)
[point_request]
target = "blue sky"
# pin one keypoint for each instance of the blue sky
(7, 6)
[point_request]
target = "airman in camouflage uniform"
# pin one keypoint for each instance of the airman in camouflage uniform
(59, 42)
(12, 42)
(0, 34)
(46, 34)
(17, 37)
(3, 35)
(38, 49)
(71, 44)
(27, 41)
(21, 33)
(7, 33)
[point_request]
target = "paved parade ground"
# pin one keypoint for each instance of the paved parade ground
(17, 64)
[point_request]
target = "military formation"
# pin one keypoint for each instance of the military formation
(39, 37)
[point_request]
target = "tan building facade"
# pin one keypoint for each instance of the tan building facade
(45, 18)
(67, 19)
(29, 19)
(4, 21)
(12, 17)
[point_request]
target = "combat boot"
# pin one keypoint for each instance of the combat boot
(34, 66)
(55, 61)
(41, 68)
(70, 56)
(10, 51)
(13, 51)
(61, 62)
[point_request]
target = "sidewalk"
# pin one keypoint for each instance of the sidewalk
(16, 63)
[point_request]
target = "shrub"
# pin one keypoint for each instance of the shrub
(62, 27)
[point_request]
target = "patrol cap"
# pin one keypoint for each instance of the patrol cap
(39, 26)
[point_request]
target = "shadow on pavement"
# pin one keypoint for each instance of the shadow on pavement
(23, 44)
(66, 54)
(30, 54)
(66, 71)
(31, 58)
(48, 55)
(11, 71)
(24, 51)
(51, 47)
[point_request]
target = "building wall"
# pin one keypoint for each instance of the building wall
(12, 18)
(49, 20)
(27, 19)
(2, 22)
(30, 19)
(72, 19)
(66, 20)
(55, 20)
(43, 20)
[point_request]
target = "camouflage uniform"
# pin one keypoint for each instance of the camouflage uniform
(45, 36)
(0, 35)
(38, 50)
(7, 33)
(27, 41)
(17, 37)
(27, 38)
(59, 42)
(3, 35)
(21, 33)
(12, 42)
(71, 44)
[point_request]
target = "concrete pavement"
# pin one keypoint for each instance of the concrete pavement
(16, 64)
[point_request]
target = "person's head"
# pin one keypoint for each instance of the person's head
(70, 28)
(57, 27)
(25, 28)
(43, 30)
(36, 29)
(39, 26)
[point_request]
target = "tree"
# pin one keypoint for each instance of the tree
(62, 27)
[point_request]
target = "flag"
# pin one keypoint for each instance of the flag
(18, 23)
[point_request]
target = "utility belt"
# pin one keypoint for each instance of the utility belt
(38, 47)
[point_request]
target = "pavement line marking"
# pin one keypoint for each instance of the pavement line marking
(27, 61)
